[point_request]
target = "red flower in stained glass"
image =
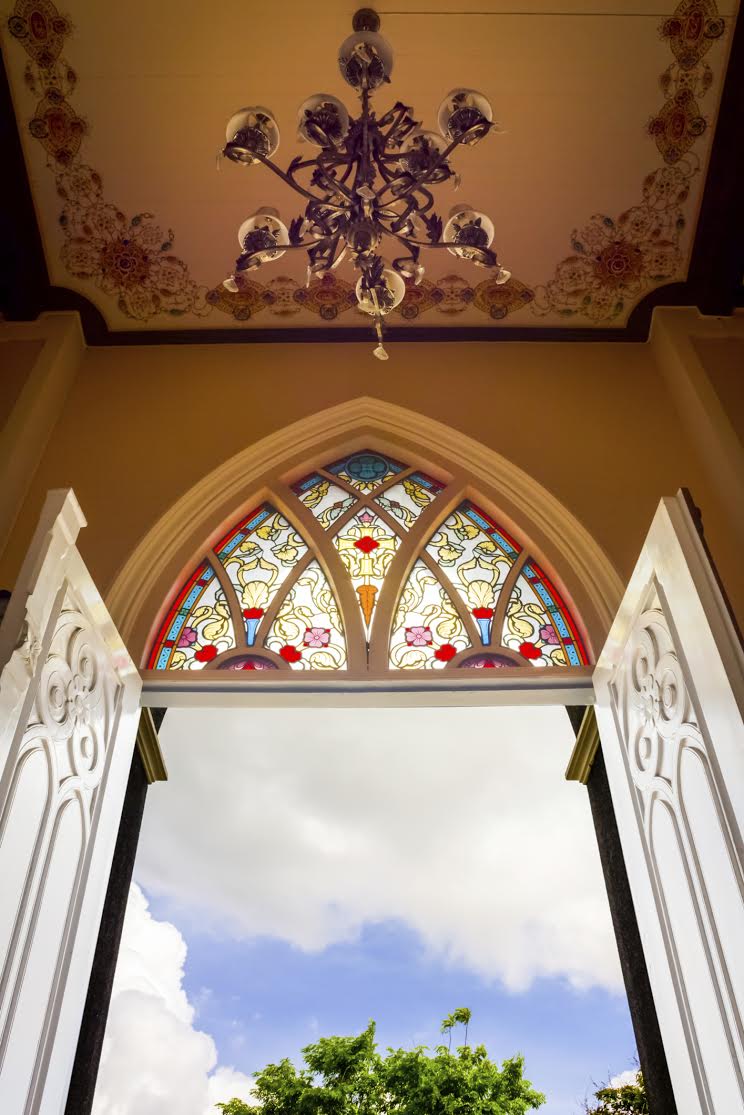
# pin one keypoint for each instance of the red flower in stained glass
(253, 613)
(529, 650)
(206, 654)
(366, 544)
(445, 652)
(483, 613)
(247, 666)
(290, 653)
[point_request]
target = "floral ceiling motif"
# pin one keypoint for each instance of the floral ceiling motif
(615, 261)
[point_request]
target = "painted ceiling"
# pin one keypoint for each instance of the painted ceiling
(608, 110)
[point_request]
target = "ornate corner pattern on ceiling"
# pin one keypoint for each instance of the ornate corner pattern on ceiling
(615, 261)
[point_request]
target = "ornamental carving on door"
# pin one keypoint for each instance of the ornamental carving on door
(695, 862)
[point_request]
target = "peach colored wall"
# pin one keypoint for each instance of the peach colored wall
(724, 362)
(17, 359)
(592, 422)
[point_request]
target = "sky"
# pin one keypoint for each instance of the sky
(305, 870)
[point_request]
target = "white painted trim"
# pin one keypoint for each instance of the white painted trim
(569, 685)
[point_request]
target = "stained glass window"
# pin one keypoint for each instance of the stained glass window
(462, 594)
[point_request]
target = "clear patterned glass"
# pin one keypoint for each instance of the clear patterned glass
(325, 499)
(409, 497)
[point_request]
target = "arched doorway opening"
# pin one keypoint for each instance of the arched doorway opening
(380, 559)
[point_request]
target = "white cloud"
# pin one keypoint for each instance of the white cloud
(305, 824)
(154, 1060)
(628, 1077)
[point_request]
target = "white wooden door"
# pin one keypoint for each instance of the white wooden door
(670, 695)
(69, 705)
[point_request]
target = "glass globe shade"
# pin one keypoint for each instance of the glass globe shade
(390, 293)
(248, 131)
(323, 115)
(463, 110)
(365, 58)
(468, 231)
(262, 236)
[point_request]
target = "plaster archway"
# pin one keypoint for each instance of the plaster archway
(162, 557)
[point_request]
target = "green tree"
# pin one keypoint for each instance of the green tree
(347, 1076)
(627, 1099)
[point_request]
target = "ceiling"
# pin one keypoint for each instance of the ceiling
(608, 110)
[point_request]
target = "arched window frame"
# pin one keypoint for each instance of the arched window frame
(371, 660)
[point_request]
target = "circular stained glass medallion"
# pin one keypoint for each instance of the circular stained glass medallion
(248, 662)
(487, 662)
(366, 466)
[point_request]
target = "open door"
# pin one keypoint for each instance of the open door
(69, 706)
(670, 694)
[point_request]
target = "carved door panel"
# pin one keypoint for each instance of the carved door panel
(670, 695)
(69, 697)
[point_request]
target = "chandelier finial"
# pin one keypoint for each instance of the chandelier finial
(366, 19)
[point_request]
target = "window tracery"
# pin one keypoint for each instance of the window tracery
(269, 594)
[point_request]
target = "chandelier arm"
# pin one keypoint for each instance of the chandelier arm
(306, 244)
(290, 182)
(327, 165)
(432, 169)
(331, 185)
(409, 192)
(401, 111)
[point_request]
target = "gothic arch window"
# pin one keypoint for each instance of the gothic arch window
(367, 564)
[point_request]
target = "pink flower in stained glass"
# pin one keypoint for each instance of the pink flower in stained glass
(365, 517)
(418, 636)
(549, 634)
(317, 636)
(188, 636)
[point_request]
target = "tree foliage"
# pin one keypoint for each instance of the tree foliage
(627, 1099)
(347, 1076)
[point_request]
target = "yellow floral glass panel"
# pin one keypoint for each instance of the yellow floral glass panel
(258, 555)
(308, 631)
(427, 630)
(366, 546)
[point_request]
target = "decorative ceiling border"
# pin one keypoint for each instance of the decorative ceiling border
(616, 262)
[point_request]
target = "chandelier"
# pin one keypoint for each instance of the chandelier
(368, 186)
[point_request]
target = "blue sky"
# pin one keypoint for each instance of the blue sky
(266, 1000)
(324, 867)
